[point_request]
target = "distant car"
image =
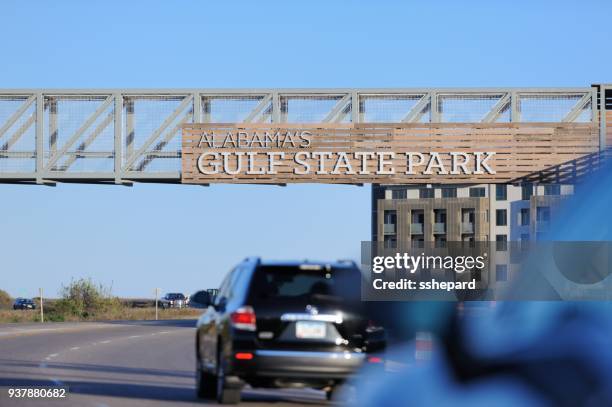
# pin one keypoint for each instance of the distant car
(172, 300)
(24, 303)
(285, 324)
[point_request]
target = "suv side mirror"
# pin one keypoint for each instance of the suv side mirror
(220, 304)
(205, 299)
(201, 299)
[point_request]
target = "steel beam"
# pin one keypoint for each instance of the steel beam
(263, 104)
(417, 110)
(19, 132)
(577, 109)
(340, 106)
(16, 115)
(87, 142)
(159, 146)
(118, 129)
(497, 109)
(40, 112)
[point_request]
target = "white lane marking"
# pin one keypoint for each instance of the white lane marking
(106, 341)
(164, 332)
(51, 356)
(75, 348)
(134, 336)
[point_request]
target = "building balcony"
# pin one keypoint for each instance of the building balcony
(416, 228)
(389, 228)
(439, 227)
(467, 227)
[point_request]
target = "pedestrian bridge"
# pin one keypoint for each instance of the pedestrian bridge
(121, 136)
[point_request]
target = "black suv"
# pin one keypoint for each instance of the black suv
(284, 324)
(24, 303)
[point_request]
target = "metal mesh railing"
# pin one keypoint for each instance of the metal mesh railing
(151, 135)
(473, 108)
(79, 133)
(393, 108)
(17, 134)
(313, 109)
(551, 108)
(235, 109)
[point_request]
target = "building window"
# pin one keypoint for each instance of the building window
(418, 243)
(390, 217)
(390, 242)
(501, 217)
(390, 220)
(524, 217)
(501, 192)
(543, 214)
(440, 215)
(552, 189)
(501, 243)
(426, 193)
(501, 272)
(449, 192)
(417, 216)
(526, 191)
(478, 192)
(399, 194)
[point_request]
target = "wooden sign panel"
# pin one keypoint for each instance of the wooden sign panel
(404, 153)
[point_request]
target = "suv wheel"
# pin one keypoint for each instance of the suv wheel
(206, 384)
(225, 395)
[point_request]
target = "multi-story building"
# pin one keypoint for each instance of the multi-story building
(441, 213)
(496, 213)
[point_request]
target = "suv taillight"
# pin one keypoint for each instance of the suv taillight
(244, 318)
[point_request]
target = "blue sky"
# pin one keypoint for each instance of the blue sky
(186, 237)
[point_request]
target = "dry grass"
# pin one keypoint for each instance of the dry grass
(116, 314)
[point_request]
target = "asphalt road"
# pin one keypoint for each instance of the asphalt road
(133, 363)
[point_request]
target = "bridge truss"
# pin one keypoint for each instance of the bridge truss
(121, 136)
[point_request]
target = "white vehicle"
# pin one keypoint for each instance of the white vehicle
(173, 300)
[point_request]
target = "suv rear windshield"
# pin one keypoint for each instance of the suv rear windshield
(305, 282)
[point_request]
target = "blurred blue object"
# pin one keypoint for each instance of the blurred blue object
(522, 353)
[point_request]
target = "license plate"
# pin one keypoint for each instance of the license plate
(310, 330)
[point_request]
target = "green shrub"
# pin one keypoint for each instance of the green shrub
(5, 300)
(84, 299)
